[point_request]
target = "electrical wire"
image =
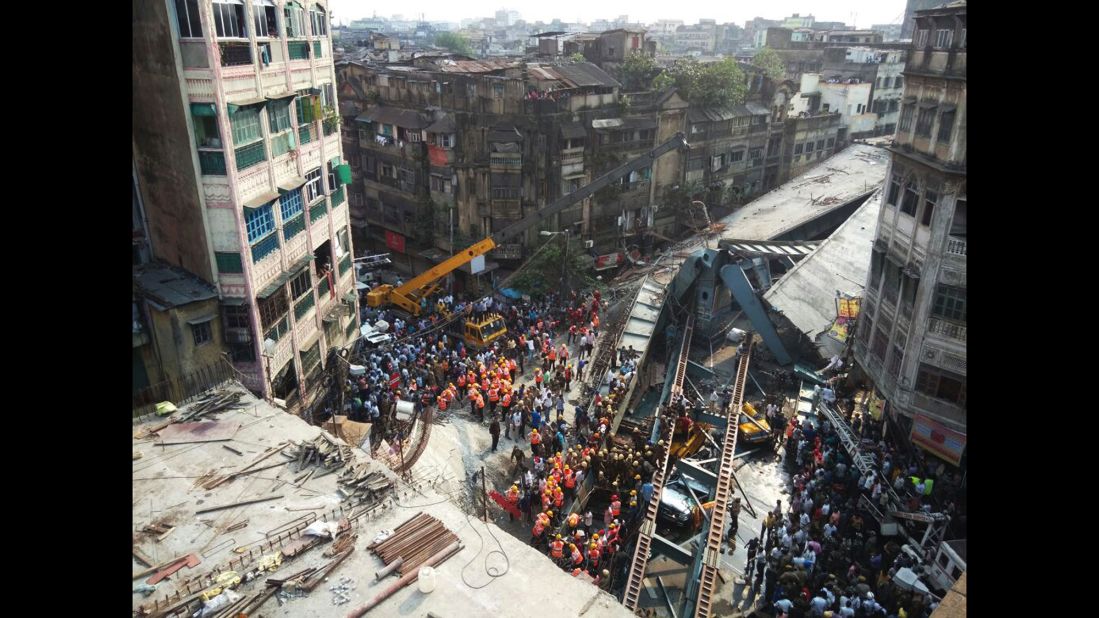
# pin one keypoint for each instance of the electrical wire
(492, 571)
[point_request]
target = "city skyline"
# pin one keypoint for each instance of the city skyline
(861, 13)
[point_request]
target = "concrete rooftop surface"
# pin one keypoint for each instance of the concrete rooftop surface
(165, 493)
(854, 171)
(806, 294)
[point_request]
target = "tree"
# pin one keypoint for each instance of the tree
(771, 63)
(716, 84)
(542, 273)
(637, 72)
(454, 42)
(578, 57)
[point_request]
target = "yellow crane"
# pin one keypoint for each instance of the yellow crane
(408, 296)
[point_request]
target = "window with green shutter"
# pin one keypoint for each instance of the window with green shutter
(246, 125)
(299, 50)
(229, 262)
(278, 115)
(317, 49)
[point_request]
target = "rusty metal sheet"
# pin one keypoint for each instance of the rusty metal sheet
(208, 431)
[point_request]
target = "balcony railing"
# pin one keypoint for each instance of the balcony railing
(318, 211)
(264, 247)
(323, 287)
(235, 54)
(947, 329)
(293, 227)
(345, 264)
(304, 305)
(212, 162)
(250, 155)
(955, 246)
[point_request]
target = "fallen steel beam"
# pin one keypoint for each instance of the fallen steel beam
(235, 504)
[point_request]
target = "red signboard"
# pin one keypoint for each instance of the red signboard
(610, 260)
(394, 241)
(937, 439)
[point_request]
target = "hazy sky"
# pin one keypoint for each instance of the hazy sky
(861, 13)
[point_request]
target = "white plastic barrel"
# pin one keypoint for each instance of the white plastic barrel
(427, 579)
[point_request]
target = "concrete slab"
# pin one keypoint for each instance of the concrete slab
(164, 491)
(806, 294)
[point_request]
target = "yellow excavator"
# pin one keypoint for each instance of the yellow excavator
(480, 333)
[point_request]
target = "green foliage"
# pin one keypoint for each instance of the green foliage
(578, 57)
(773, 66)
(637, 72)
(542, 273)
(454, 42)
(716, 84)
(609, 193)
(682, 195)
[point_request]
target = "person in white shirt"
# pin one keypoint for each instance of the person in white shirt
(829, 530)
(835, 364)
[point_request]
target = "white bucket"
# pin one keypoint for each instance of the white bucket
(427, 579)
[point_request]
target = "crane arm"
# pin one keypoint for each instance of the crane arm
(406, 295)
(676, 142)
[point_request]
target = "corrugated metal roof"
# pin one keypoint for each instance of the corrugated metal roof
(486, 65)
(394, 115)
(171, 286)
(582, 74)
(806, 294)
(717, 114)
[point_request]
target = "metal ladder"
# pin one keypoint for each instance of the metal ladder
(723, 491)
(648, 526)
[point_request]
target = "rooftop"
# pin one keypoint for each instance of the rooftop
(807, 294)
(854, 171)
(170, 286)
(166, 493)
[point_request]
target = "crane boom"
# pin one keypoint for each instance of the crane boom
(408, 295)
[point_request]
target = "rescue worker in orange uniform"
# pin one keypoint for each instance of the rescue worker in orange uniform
(513, 499)
(557, 549)
(577, 557)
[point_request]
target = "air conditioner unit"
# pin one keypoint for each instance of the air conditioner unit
(588, 244)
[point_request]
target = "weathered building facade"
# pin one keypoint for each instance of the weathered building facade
(912, 334)
(237, 154)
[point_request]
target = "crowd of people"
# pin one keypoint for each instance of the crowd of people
(821, 556)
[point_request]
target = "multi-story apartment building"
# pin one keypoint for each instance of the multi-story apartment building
(700, 37)
(912, 335)
(237, 150)
(459, 149)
